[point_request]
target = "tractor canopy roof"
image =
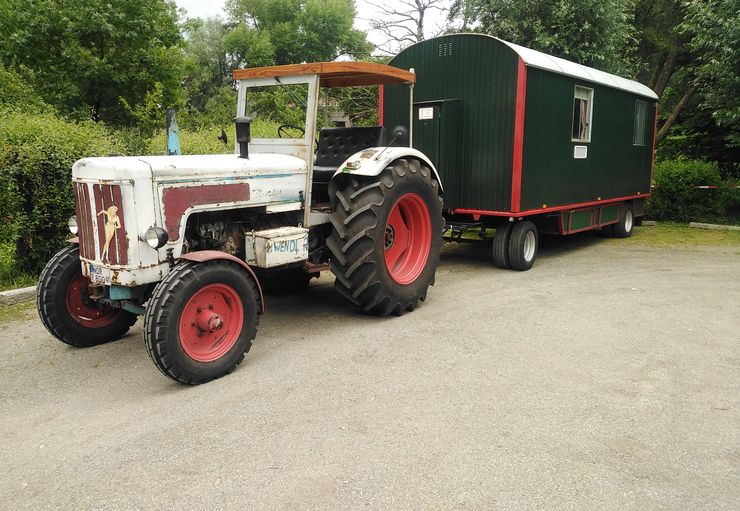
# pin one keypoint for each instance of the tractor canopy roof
(333, 74)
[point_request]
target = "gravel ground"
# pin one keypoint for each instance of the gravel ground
(606, 377)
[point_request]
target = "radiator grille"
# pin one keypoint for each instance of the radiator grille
(97, 214)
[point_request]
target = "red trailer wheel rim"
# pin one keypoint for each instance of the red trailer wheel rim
(408, 238)
(85, 311)
(211, 322)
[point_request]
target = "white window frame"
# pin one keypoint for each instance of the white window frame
(643, 135)
(589, 115)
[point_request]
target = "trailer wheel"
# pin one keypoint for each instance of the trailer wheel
(201, 320)
(386, 237)
(65, 307)
(523, 245)
(501, 245)
(623, 228)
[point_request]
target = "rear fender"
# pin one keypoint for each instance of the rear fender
(202, 256)
(372, 161)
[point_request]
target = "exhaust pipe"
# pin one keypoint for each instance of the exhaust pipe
(243, 134)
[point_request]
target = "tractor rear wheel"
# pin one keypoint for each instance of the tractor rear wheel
(201, 320)
(386, 237)
(66, 309)
(501, 245)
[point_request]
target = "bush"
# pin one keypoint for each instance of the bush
(205, 140)
(36, 156)
(675, 196)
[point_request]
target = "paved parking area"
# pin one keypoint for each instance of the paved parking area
(608, 377)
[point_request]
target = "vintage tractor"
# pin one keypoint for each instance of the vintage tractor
(188, 241)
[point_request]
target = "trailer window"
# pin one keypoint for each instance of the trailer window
(640, 122)
(582, 112)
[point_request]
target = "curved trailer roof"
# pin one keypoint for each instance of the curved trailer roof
(541, 60)
(333, 74)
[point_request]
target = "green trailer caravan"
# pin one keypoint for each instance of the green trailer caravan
(526, 142)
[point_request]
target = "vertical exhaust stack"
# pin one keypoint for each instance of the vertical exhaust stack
(243, 134)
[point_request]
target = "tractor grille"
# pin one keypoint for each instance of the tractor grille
(99, 208)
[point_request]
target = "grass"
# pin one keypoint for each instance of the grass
(16, 281)
(675, 235)
(17, 312)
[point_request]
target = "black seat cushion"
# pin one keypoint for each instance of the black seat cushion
(338, 144)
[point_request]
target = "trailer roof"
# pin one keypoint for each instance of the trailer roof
(541, 60)
(333, 74)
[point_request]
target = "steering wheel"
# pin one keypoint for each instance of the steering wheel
(284, 131)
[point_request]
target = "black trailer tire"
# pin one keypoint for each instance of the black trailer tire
(66, 309)
(523, 245)
(501, 245)
(386, 237)
(623, 228)
(201, 320)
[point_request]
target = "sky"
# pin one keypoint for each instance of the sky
(208, 8)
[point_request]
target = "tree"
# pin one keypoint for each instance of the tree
(590, 33)
(293, 31)
(404, 23)
(87, 55)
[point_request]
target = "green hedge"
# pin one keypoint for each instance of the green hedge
(675, 196)
(36, 156)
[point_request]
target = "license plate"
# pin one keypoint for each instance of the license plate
(98, 274)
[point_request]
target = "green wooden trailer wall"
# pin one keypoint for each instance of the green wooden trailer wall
(496, 119)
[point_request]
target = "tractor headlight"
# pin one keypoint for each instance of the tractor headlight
(72, 224)
(156, 237)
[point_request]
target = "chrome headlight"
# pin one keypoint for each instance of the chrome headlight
(156, 237)
(72, 224)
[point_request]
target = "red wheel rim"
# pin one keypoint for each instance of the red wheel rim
(85, 311)
(211, 322)
(408, 236)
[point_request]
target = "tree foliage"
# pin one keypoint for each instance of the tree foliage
(293, 31)
(591, 33)
(88, 54)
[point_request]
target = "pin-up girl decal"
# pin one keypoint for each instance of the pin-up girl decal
(112, 222)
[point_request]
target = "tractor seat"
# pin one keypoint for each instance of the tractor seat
(338, 144)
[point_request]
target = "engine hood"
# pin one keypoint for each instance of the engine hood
(175, 167)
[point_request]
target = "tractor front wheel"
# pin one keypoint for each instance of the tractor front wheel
(201, 320)
(66, 309)
(386, 237)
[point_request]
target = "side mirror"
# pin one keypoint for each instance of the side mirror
(243, 134)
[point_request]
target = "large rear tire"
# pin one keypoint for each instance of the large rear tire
(65, 307)
(201, 320)
(386, 237)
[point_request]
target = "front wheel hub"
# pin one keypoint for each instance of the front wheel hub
(211, 322)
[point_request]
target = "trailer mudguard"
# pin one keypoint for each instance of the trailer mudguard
(372, 161)
(202, 256)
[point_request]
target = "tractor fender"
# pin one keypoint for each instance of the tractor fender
(372, 161)
(202, 256)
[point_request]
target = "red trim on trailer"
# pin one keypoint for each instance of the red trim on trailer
(483, 212)
(202, 256)
(516, 171)
(381, 107)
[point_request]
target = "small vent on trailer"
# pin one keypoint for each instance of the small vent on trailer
(580, 152)
(444, 49)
